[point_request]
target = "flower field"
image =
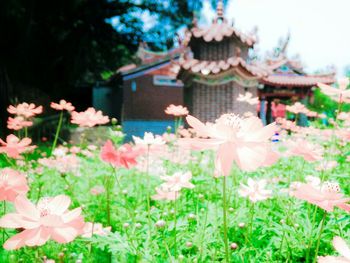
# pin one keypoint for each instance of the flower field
(229, 191)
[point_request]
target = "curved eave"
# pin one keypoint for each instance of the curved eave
(215, 68)
(296, 81)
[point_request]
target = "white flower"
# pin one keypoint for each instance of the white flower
(255, 190)
(178, 181)
(149, 139)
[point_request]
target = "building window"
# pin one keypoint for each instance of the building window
(133, 86)
(161, 80)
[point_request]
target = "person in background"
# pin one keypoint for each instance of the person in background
(278, 109)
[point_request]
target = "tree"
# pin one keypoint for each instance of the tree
(48, 48)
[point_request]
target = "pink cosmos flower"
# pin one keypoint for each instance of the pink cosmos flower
(287, 124)
(89, 118)
(13, 146)
(12, 184)
(297, 108)
(125, 156)
(49, 219)
(342, 248)
(305, 149)
(164, 193)
(244, 141)
(97, 190)
(178, 181)
(18, 123)
(255, 190)
(248, 97)
(341, 94)
(326, 165)
(91, 229)
(177, 111)
(62, 105)
(327, 196)
(25, 110)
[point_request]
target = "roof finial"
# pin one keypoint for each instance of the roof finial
(220, 9)
(285, 44)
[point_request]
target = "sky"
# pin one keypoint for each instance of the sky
(319, 28)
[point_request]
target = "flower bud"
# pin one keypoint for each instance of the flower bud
(189, 244)
(241, 225)
(160, 223)
(233, 246)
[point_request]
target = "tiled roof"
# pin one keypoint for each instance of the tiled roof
(218, 30)
(151, 59)
(298, 80)
(215, 67)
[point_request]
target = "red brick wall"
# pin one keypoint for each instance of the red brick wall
(149, 101)
(208, 102)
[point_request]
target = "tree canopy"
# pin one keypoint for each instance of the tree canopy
(52, 47)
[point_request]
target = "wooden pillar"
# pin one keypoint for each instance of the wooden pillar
(263, 111)
(269, 111)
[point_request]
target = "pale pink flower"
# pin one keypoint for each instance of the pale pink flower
(91, 229)
(12, 184)
(248, 97)
(313, 180)
(75, 149)
(97, 190)
(62, 105)
(92, 147)
(287, 124)
(341, 94)
(49, 219)
(297, 108)
(342, 248)
(177, 111)
(343, 116)
(14, 147)
(63, 164)
(311, 114)
(178, 181)
(310, 152)
(60, 151)
(255, 190)
(148, 139)
(18, 123)
(125, 156)
(164, 193)
(169, 137)
(327, 196)
(245, 141)
(25, 110)
(322, 116)
(89, 118)
(326, 165)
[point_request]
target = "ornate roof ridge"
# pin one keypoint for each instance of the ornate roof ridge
(207, 67)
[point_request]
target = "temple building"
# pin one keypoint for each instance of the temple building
(206, 73)
(149, 86)
(287, 81)
(217, 69)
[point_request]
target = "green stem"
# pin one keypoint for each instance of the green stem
(3, 230)
(310, 237)
(148, 195)
(225, 220)
(175, 218)
(252, 210)
(108, 203)
(319, 235)
(57, 132)
(284, 229)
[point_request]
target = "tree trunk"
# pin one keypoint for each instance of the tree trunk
(5, 92)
